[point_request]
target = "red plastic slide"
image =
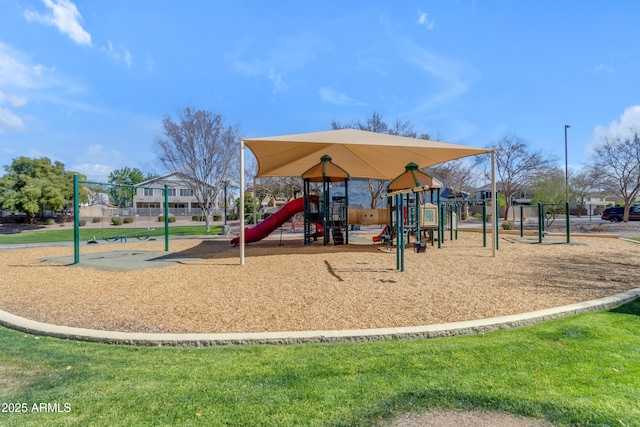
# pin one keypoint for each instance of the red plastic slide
(272, 222)
(378, 238)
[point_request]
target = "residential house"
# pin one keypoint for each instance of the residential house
(149, 196)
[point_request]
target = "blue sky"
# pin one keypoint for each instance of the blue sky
(87, 83)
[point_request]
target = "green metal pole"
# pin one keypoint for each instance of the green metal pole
(346, 211)
(484, 223)
(568, 224)
(76, 219)
(457, 208)
(540, 228)
(401, 241)
(390, 206)
(431, 230)
(166, 217)
(521, 226)
(450, 207)
(398, 238)
(440, 222)
(417, 198)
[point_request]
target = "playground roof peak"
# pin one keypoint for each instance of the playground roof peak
(411, 178)
(326, 171)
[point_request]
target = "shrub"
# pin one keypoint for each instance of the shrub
(171, 218)
(49, 221)
(128, 220)
(232, 217)
(266, 215)
(477, 215)
(199, 218)
(507, 225)
(217, 217)
(82, 222)
(96, 219)
(116, 220)
(463, 216)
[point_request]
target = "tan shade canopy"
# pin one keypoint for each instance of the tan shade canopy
(411, 178)
(326, 170)
(364, 154)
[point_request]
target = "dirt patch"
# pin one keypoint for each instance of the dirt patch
(292, 287)
(466, 419)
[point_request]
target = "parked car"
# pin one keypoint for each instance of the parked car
(616, 214)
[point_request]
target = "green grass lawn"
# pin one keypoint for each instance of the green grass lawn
(581, 370)
(66, 235)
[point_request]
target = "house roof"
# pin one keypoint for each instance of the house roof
(180, 177)
(167, 177)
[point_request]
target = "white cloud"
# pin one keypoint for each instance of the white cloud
(98, 151)
(422, 20)
(329, 95)
(10, 121)
(13, 100)
(276, 78)
(288, 56)
(603, 68)
(63, 15)
(92, 162)
(628, 124)
(450, 75)
(150, 63)
(15, 77)
(94, 171)
(14, 72)
(119, 54)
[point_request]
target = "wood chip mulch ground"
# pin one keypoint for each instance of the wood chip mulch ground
(295, 287)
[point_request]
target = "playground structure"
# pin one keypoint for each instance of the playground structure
(328, 216)
(325, 216)
(365, 154)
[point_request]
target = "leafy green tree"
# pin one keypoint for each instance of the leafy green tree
(32, 186)
(126, 177)
(548, 188)
(248, 204)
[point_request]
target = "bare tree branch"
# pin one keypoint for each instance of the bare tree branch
(200, 146)
(618, 166)
(516, 166)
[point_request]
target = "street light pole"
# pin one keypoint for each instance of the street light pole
(566, 165)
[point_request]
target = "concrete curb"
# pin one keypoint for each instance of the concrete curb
(294, 337)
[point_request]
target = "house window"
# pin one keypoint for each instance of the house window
(186, 192)
(172, 192)
(148, 191)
